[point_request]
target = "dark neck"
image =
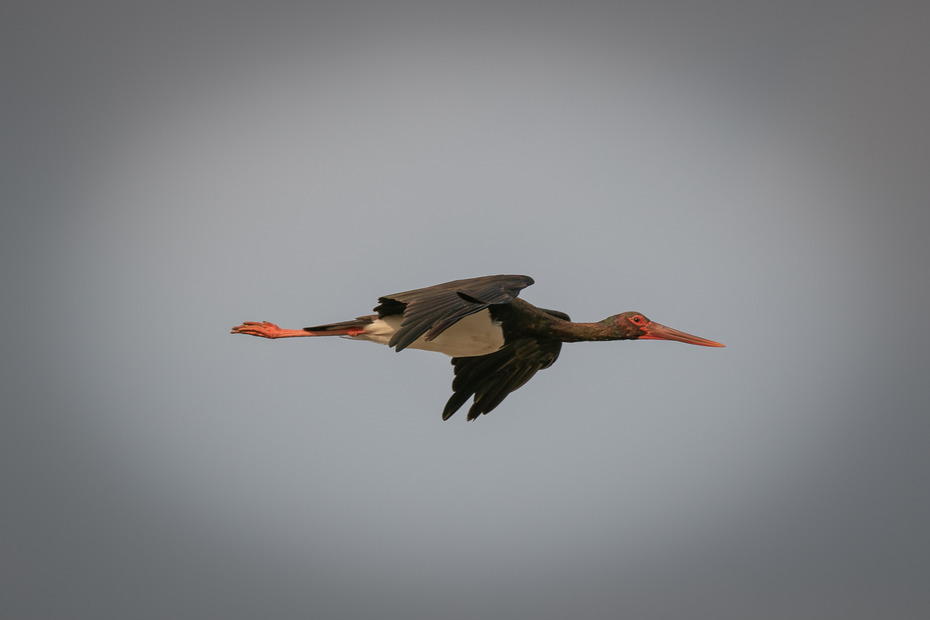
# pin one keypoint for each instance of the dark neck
(522, 319)
(567, 331)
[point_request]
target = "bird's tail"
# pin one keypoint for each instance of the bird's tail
(345, 328)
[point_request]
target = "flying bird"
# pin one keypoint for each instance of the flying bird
(497, 342)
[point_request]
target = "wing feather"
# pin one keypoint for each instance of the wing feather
(490, 378)
(430, 311)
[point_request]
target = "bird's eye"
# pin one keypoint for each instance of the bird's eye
(639, 320)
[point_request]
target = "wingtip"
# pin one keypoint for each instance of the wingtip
(473, 414)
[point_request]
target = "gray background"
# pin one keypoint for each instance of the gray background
(751, 172)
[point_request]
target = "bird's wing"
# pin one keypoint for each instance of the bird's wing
(490, 378)
(430, 311)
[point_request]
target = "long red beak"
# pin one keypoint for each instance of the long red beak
(657, 331)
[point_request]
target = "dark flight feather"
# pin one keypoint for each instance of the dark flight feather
(490, 378)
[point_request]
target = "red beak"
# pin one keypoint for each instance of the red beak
(656, 331)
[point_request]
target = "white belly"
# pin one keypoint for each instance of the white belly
(476, 334)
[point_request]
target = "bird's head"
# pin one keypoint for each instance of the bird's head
(635, 326)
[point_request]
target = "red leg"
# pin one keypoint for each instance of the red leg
(269, 330)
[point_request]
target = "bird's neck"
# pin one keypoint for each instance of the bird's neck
(567, 331)
(522, 319)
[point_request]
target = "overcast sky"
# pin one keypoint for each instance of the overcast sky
(755, 173)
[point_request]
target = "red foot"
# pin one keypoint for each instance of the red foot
(268, 330)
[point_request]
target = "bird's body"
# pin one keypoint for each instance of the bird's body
(497, 342)
(476, 334)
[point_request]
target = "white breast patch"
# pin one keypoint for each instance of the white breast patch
(476, 334)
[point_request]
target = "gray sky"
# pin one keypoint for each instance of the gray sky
(754, 173)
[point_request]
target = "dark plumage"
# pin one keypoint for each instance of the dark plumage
(497, 341)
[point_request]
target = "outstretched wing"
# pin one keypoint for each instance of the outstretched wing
(430, 311)
(490, 378)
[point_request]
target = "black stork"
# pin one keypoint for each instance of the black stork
(497, 342)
